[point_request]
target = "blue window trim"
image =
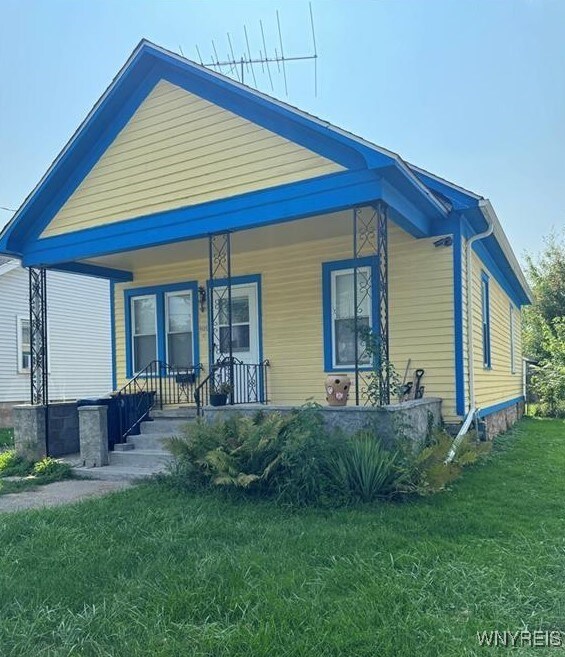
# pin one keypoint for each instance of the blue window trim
(327, 269)
(238, 280)
(485, 306)
(159, 291)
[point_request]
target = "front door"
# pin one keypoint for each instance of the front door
(245, 339)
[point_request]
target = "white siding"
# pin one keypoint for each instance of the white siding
(79, 336)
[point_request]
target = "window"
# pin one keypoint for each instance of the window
(240, 325)
(179, 329)
(485, 305)
(512, 345)
(161, 324)
(24, 345)
(339, 312)
(144, 313)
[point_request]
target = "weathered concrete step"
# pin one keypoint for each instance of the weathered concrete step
(123, 447)
(141, 458)
(149, 441)
(117, 472)
(176, 412)
(172, 427)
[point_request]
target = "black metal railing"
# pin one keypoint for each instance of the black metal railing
(234, 381)
(157, 385)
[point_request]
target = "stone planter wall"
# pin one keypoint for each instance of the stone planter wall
(411, 419)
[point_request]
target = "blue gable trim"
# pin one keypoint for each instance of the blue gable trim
(116, 275)
(329, 193)
(159, 292)
(327, 269)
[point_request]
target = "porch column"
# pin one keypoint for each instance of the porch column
(39, 384)
(220, 303)
(370, 239)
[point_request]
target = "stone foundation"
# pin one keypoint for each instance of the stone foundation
(7, 414)
(502, 420)
(411, 419)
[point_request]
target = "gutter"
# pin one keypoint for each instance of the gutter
(485, 206)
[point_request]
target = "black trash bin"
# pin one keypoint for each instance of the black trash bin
(113, 416)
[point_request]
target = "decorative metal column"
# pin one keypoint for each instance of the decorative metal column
(38, 336)
(384, 347)
(220, 303)
(370, 239)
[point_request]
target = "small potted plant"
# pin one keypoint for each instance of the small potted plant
(219, 394)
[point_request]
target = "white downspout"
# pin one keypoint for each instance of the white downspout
(484, 205)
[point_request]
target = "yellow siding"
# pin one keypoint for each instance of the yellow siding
(421, 309)
(180, 150)
(496, 384)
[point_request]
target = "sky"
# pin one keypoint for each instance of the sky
(472, 90)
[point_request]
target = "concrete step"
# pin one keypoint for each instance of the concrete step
(175, 412)
(149, 441)
(117, 472)
(141, 458)
(172, 427)
(123, 447)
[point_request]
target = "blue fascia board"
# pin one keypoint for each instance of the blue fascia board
(285, 203)
(488, 410)
(404, 213)
(159, 291)
(456, 196)
(85, 269)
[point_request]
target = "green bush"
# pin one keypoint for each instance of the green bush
(269, 454)
(49, 469)
(361, 469)
(13, 465)
(291, 458)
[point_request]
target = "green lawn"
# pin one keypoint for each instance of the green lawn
(156, 573)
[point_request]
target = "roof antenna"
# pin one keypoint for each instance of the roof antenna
(240, 60)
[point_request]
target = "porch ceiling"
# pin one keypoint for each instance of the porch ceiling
(296, 232)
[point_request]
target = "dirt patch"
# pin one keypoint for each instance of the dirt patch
(60, 492)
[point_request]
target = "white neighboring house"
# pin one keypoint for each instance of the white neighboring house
(79, 337)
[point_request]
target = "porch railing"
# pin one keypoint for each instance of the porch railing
(158, 384)
(245, 383)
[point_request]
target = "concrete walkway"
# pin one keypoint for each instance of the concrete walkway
(60, 492)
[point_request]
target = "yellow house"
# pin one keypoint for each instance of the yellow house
(252, 244)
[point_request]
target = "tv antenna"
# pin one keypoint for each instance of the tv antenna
(245, 63)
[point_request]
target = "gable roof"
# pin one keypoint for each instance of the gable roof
(432, 197)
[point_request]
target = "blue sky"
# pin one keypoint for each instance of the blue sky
(472, 90)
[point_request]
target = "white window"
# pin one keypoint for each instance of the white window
(144, 334)
(241, 327)
(24, 345)
(343, 315)
(179, 328)
(512, 342)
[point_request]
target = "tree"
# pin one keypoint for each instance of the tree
(544, 325)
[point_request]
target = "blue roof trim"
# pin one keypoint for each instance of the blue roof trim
(144, 69)
(284, 203)
(116, 275)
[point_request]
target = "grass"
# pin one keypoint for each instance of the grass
(6, 438)
(153, 572)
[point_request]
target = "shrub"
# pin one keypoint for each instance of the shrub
(361, 469)
(13, 465)
(269, 454)
(50, 469)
